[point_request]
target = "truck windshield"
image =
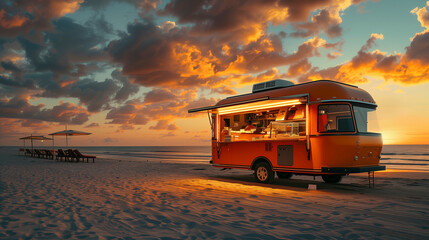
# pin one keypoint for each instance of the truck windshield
(366, 119)
(335, 118)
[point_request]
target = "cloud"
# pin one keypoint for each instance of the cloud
(65, 112)
(68, 44)
(422, 15)
(333, 55)
(201, 47)
(328, 21)
(248, 20)
(95, 95)
(170, 134)
(92, 125)
(420, 42)
(127, 114)
(110, 140)
(164, 125)
(11, 22)
(299, 68)
(20, 17)
(144, 5)
(419, 48)
(410, 68)
(127, 90)
(159, 95)
(176, 60)
(135, 112)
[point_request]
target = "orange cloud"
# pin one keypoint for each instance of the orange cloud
(393, 67)
(164, 125)
(11, 22)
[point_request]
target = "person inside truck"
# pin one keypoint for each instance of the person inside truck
(249, 126)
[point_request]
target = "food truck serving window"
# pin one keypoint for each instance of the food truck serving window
(335, 118)
(276, 123)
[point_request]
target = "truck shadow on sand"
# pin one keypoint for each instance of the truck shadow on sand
(301, 183)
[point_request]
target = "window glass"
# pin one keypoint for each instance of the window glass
(276, 123)
(366, 119)
(335, 118)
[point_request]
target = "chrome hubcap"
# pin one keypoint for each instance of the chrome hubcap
(262, 173)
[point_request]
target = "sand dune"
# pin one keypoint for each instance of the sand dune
(44, 199)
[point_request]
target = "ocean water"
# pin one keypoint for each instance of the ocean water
(188, 154)
(414, 157)
(411, 157)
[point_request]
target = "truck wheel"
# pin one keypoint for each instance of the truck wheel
(264, 173)
(332, 178)
(284, 175)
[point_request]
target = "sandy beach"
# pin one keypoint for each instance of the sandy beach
(114, 198)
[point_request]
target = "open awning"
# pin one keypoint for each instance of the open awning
(251, 105)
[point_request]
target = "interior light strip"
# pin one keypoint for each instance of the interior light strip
(236, 109)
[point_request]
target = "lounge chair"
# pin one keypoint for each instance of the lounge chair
(49, 154)
(72, 155)
(80, 155)
(28, 152)
(38, 153)
(44, 153)
(61, 154)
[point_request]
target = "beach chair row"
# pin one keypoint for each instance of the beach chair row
(73, 155)
(66, 155)
(40, 153)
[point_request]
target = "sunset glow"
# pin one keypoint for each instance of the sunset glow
(128, 71)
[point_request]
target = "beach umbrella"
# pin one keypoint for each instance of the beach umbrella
(31, 138)
(69, 133)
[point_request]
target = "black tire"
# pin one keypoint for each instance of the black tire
(334, 178)
(263, 173)
(284, 175)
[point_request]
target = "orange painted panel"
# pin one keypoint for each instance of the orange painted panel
(340, 150)
(243, 153)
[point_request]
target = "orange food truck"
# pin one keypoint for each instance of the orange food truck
(321, 128)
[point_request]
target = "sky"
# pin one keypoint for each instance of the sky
(127, 70)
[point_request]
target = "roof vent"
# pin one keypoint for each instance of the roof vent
(278, 83)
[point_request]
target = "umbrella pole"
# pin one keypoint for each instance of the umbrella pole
(67, 141)
(32, 148)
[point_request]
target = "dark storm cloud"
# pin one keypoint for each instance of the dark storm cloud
(95, 95)
(143, 50)
(242, 19)
(128, 89)
(10, 66)
(69, 43)
(8, 82)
